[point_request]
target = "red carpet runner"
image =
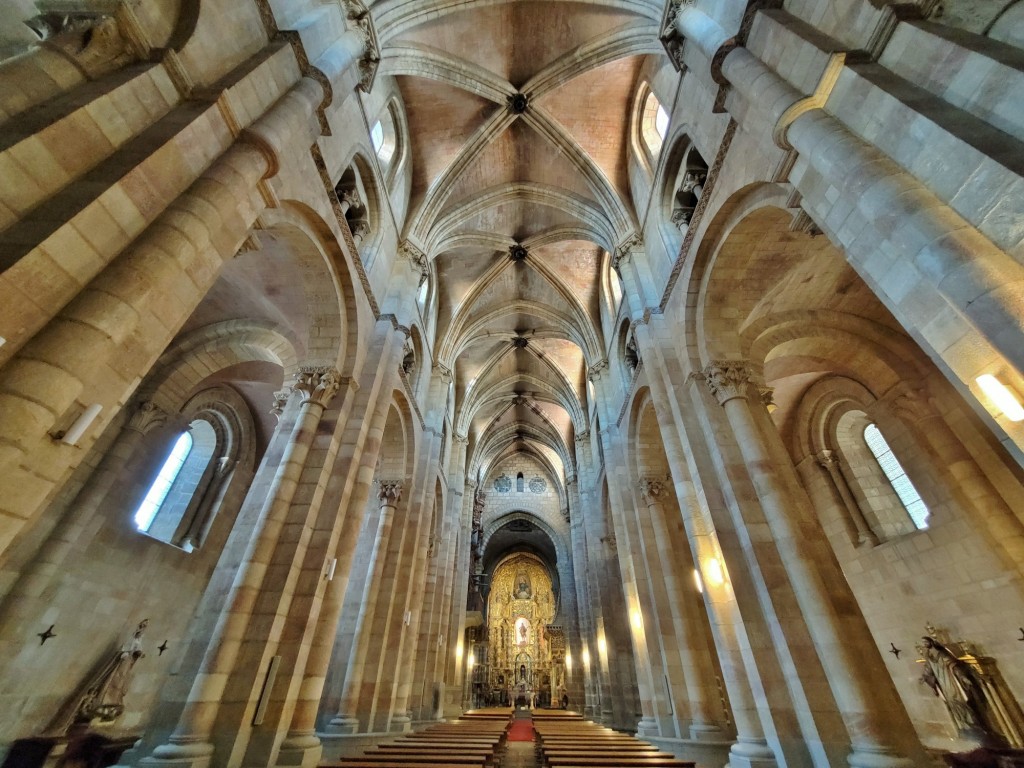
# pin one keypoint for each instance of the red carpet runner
(521, 730)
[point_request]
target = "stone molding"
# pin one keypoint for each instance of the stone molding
(389, 492)
(597, 369)
(727, 379)
(624, 251)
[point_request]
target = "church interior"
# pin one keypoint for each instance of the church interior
(367, 362)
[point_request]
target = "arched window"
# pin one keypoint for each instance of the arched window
(520, 483)
(897, 477)
(653, 124)
(165, 478)
(170, 510)
(377, 137)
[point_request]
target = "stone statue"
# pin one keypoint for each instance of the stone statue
(104, 696)
(960, 687)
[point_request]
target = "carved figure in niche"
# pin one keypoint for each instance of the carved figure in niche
(962, 690)
(522, 673)
(522, 631)
(523, 591)
(104, 696)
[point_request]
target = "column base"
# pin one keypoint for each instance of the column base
(751, 754)
(400, 724)
(702, 732)
(180, 753)
(300, 750)
(647, 726)
(344, 725)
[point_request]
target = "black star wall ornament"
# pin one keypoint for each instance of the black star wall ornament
(44, 636)
(1021, 638)
(894, 650)
(162, 647)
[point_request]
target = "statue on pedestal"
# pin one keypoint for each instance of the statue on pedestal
(104, 696)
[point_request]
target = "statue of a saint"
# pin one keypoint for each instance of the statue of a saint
(523, 588)
(104, 696)
(959, 686)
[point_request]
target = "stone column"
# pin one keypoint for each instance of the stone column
(363, 433)
(863, 535)
(190, 744)
(874, 718)
(389, 493)
(693, 654)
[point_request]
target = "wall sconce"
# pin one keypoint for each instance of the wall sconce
(408, 618)
(568, 662)
(714, 574)
(586, 658)
(458, 651)
(331, 565)
(637, 619)
(698, 581)
(470, 662)
(1002, 396)
(82, 423)
(602, 646)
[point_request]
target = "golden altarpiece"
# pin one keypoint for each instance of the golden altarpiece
(525, 653)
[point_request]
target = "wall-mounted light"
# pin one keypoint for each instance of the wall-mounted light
(1002, 396)
(714, 574)
(470, 662)
(458, 651)
(698, 581)
(82, 423)
(331, 565)
(586, 658)
(637, 619)
(602, 646)
(568, 662)
(408, 618)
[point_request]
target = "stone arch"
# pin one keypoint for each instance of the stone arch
(332, 335)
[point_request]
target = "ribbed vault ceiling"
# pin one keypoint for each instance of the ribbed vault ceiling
(518, 335)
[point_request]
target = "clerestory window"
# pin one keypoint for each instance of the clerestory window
(911, 500)
(172, 509)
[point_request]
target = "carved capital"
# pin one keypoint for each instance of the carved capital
(457, 438)
(909, 402)
(625, 249)
(727, 379)
(651, 489)
(147, 416)
(280, 401)
(609, 541)
(416, 258)
(444, 372)
(389, 492)
(583, 437)
(596, 369)
(318, 384)
(827, 459)
(362, 22)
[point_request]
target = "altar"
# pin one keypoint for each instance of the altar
(525, 651)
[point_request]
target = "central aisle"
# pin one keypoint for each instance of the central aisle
(520, 750)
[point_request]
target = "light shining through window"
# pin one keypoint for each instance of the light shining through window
(897, 477)
(661, 121)
(164, 480)
(377, 136)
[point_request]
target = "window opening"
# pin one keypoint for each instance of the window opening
(519, 482)
(653, 124)
(377, 136)
(164, 480)
(661, 121)
(897, 476)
